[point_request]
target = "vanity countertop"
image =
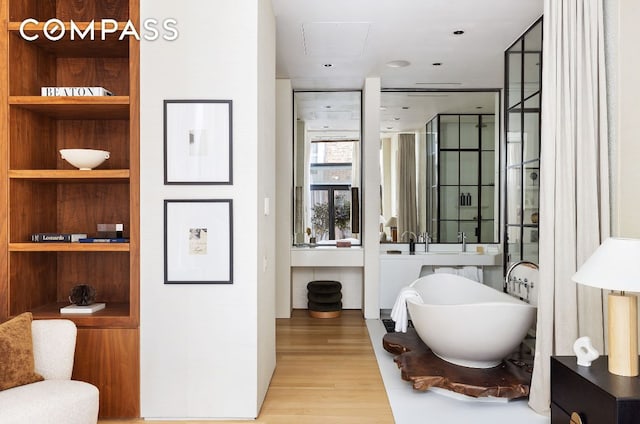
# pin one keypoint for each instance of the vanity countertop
(325, 247)
(327, 256)
(446, 258)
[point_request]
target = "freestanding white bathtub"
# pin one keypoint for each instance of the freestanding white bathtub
(467, 323)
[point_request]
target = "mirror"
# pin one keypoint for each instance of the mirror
(439, 166)
(326, 167)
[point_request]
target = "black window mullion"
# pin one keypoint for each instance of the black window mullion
(332, 214)
(478, 209)
(522, 158)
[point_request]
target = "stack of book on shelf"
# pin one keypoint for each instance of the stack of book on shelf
(107, 233)
(82, 309)
(104, 240)
(75, 91)
(57, 237)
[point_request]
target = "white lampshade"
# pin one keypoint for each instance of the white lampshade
(392, 222)
(615, 265)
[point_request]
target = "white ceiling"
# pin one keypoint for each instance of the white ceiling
(358, 38)
(404, 111)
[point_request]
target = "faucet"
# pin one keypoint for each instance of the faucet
(427, 239)
(508, 279)
(412, 241)
(411, 233)
(462, 238)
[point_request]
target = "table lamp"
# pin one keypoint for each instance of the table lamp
(615, 265)
(392, 223)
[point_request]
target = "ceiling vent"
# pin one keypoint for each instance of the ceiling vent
(335, 39)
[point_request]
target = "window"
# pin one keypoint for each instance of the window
(330, 176)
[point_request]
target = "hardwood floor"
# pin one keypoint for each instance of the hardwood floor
(326, 372)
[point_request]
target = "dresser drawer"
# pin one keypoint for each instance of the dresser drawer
(597, 395)
(558, 416)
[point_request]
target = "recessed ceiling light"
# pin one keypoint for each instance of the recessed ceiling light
(396, 119)
(437, 63)
(326, 126)
(405, 107)
(398, 63)
(389, 128)
(458, 32)
(478, 107)
(328, 65)
(327, 107)
(383, 108)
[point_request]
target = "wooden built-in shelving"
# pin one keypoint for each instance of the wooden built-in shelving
(46, 194)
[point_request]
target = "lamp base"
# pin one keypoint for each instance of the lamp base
(623, 334)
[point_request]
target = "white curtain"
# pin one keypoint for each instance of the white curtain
(387, 203)
(421, 182)
(407, 206)
(306, 181)
(355, 164)
(574, 186)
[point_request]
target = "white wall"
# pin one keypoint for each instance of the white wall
(266, 162)
(284, 172)
(203, 353)
(371, 196)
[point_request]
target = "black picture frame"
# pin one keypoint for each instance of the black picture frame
(198, 142)
(198, 241)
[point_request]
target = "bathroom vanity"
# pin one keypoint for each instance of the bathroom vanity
(327, 256)
(344, 264)
(398, 270)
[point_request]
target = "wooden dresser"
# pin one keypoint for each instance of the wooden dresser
(592, 395)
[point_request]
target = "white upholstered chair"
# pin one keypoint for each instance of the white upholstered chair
(57, 399)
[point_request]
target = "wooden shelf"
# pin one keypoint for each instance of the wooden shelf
(64, 175)
(116, 314)
(68, 247)
(111, 46)
(72, 107)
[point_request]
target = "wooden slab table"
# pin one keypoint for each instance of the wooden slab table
(420, 366)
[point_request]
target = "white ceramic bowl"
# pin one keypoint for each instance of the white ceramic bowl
(84, 158)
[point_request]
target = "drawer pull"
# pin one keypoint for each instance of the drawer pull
(575, 418)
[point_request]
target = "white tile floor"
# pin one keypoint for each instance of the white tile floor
(410, 406)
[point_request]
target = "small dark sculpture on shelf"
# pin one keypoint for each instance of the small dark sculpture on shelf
(82, 295)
